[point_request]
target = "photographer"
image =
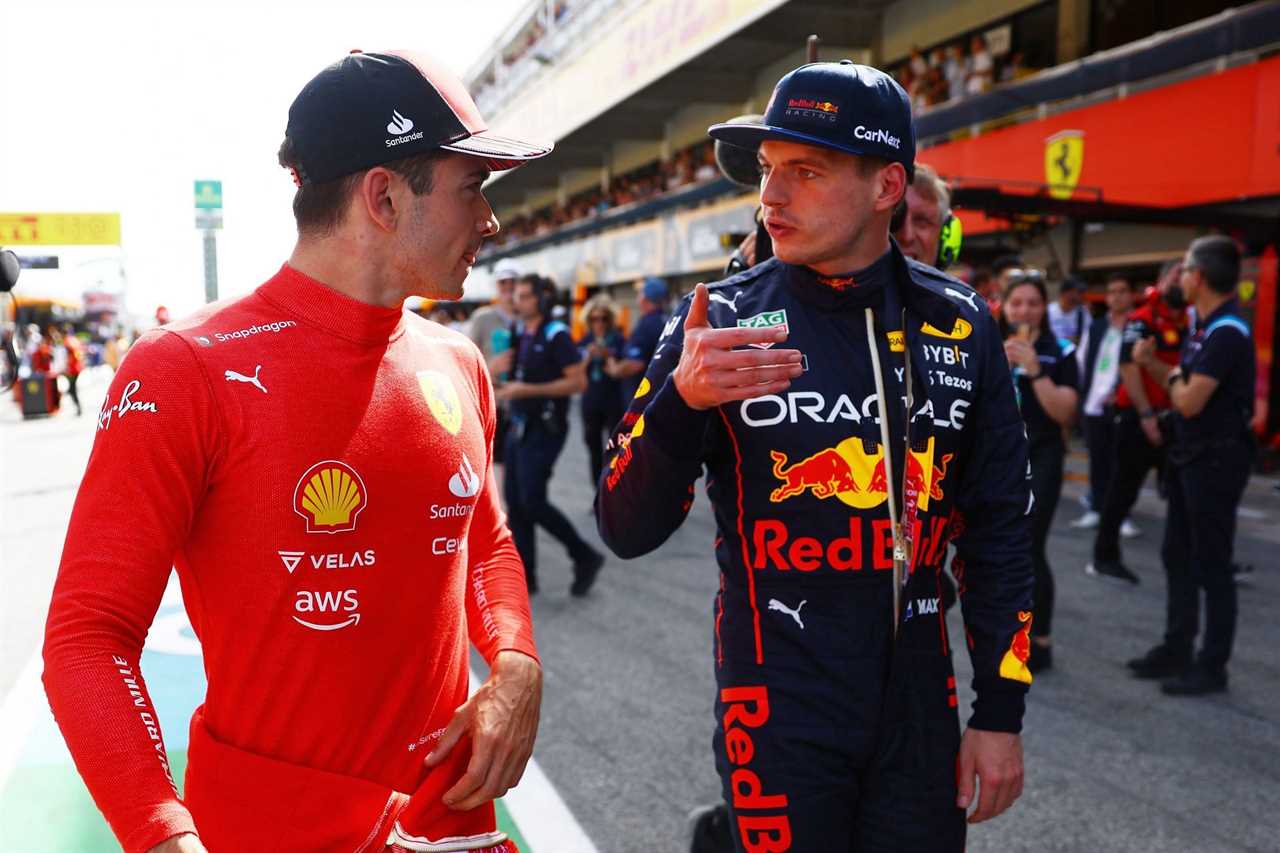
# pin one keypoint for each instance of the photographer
(1211, 392)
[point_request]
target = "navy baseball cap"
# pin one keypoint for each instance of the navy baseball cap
(370, 108)
(841, 105)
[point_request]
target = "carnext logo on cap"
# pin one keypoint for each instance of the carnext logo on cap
(882, 136)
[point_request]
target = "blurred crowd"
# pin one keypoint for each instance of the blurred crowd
(693, 165)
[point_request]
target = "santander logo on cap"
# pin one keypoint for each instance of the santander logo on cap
(399, 124)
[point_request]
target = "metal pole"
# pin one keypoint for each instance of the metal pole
(210, 266)
(811, 48)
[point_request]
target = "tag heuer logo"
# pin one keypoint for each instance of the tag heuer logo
(766, 320)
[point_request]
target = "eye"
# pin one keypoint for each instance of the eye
(807, 174)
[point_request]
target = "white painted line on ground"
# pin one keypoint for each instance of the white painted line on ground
(18, 715)
(544, 819)
(1251, 514)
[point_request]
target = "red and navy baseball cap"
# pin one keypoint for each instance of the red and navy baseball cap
(841, 105)
(371, 108)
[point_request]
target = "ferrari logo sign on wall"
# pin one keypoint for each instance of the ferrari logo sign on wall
(1063, 162)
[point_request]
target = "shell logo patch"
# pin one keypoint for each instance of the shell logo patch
(329, 496)
(442, 398)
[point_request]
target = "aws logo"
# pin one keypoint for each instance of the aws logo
(330, 496)
(961, 330)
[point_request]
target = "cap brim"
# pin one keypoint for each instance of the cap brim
(499, 152)
(751, 135)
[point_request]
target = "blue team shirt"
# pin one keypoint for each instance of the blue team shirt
(1221, 347)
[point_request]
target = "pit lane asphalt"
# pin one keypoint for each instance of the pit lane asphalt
(1112, 764)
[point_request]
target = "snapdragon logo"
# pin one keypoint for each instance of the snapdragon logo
(881, 136)
(255, 329)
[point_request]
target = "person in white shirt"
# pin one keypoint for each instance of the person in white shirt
(1099, 359)
(1067, 316)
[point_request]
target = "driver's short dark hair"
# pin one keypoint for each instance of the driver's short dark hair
(319, 208)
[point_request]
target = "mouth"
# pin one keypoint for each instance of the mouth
(777, 228)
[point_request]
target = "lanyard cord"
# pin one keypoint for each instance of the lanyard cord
(895, 523)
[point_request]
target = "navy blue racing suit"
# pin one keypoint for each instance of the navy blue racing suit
(830, 735)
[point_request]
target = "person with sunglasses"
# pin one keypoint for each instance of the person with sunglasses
(601, 403)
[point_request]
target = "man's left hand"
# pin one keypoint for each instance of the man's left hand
(995, 758)
(509, 391)
(1144, 351)
(502, 721)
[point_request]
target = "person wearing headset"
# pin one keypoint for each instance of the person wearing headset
(925, 228)
(546, 370)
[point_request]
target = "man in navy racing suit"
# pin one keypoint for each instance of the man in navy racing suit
(836, 714)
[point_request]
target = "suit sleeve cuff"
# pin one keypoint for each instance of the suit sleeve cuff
(999, 710)
(169, 820)
(672, 425)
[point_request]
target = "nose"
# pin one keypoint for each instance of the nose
(489, 224)
(773, 189)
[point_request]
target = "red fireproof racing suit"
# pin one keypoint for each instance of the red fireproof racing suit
(318, 470)
(830, 736)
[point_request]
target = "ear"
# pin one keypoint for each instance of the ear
(375, 196)
(891, 187)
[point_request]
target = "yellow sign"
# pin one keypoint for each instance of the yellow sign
(59, 229)
(442, 398)
(1063, 162)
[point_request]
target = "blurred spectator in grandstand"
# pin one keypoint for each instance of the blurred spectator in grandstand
(919, 67)
(602, 405)
(651, 298)
(706, 170)
(1012, 69)
(74, 363)
(1098, 358)
(1045, 379)
(1067, 316)
(981, 67)
(1140, 403)
(955, 69)
(1211, 390)
(928, 204)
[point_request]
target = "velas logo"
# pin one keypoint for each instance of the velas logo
(1014, 663)
(961, 330)
(882, 137)
(399, 125)
(765, 320)
(330, 496)
(442, 399)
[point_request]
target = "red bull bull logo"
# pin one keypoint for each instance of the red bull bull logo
(1014, 663)
(854, 472)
